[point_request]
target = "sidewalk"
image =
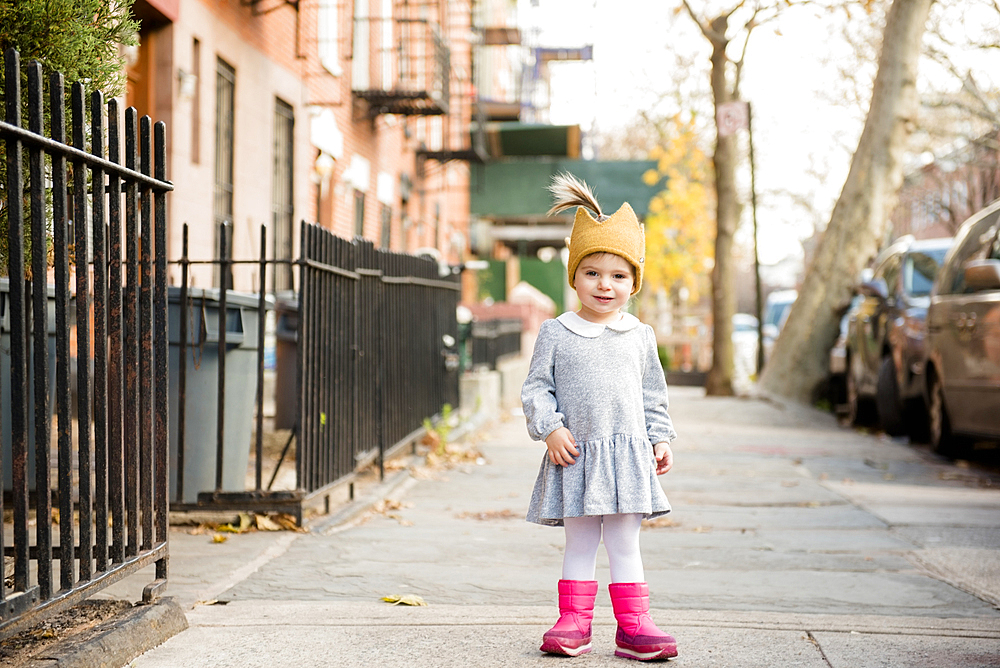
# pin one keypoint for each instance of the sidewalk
(793, 542)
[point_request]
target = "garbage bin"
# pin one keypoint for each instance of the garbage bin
(5, 390)
(202, 388)
(286, 336)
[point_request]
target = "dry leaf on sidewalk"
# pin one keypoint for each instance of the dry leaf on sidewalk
(505, 514)
(409, 599)
(265, 523)
(660, 523)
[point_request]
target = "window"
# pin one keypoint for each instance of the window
(225, 94)
(328, 36)
(282, 199)
(360, 56)
(977, 244)
(920, 269)
(359, 213)
(196, 102)
(386, 216)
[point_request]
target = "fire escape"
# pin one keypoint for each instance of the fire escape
(402, 64)
(400, 61)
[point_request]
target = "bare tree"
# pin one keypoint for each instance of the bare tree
(725, 78)
(798, 365)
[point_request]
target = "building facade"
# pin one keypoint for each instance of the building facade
(353, 114)
(937, 198)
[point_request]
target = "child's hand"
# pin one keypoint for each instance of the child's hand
(562, 447)
(664, 457)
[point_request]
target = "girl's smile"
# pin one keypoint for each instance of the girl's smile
(604, 284)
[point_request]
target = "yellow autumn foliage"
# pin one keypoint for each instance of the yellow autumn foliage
(680, 232)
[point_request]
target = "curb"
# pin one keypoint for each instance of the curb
(115, 642)
(344, 516)
(353, 509)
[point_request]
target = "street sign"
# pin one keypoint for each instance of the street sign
(731, 117)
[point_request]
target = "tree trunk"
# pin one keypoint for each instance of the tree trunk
(720, 377)
(800, 362)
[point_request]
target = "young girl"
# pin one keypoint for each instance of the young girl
(595, 393)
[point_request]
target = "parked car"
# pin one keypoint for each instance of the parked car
(963, 325)
(776, 308)
(885, 337)
(838, 361)
(744, 350)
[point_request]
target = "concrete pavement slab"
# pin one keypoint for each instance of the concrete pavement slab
(856, 650)
(950, 536)
(303, 635)
(973, 570)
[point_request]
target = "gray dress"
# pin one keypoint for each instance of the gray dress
(605, 384)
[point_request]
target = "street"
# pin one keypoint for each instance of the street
(793, 542)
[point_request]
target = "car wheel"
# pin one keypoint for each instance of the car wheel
(938, 424)
(890, 408)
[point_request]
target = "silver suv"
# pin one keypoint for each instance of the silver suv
(963, 335)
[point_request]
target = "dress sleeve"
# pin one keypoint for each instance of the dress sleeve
(659, 426)
(538, 394)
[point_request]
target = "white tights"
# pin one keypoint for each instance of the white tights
(621, 540)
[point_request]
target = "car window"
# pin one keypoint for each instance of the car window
(920, 269)
(979, 244)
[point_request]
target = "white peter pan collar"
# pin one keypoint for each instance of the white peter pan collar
(572, 321)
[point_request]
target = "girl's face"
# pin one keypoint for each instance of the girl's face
(603, 284)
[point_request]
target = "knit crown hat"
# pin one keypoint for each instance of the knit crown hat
(620, 233)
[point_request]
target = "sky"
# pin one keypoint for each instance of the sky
(803, 140)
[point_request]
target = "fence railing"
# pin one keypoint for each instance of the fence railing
(103, 515)
(494, 340)
(375, 336)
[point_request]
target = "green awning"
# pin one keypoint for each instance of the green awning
(518, 189)
(521, 139)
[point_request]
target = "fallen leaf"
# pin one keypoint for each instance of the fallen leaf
(409, 599)
(661, 522)
(220, 538)
(265, 523)
(504, 514)
(287, 522)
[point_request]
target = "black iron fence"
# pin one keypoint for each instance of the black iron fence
(494, 340)
(375, 335)
(102, 212)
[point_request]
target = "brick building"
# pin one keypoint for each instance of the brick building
(938, 197)
(355, 115)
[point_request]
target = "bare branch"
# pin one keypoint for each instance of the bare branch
(706, 28)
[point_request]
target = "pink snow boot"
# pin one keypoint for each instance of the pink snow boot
(571, 634)
(638, 637)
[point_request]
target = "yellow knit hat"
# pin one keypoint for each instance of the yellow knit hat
(620, 233)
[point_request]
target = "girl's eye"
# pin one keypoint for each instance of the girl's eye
(621, 277)
(591, 273)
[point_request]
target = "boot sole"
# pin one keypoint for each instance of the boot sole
(553, 647)
(668, 652)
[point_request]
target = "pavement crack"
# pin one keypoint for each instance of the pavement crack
(819, 647)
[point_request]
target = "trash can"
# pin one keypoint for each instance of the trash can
(286, 336)
(202, 389)
(5, 390)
